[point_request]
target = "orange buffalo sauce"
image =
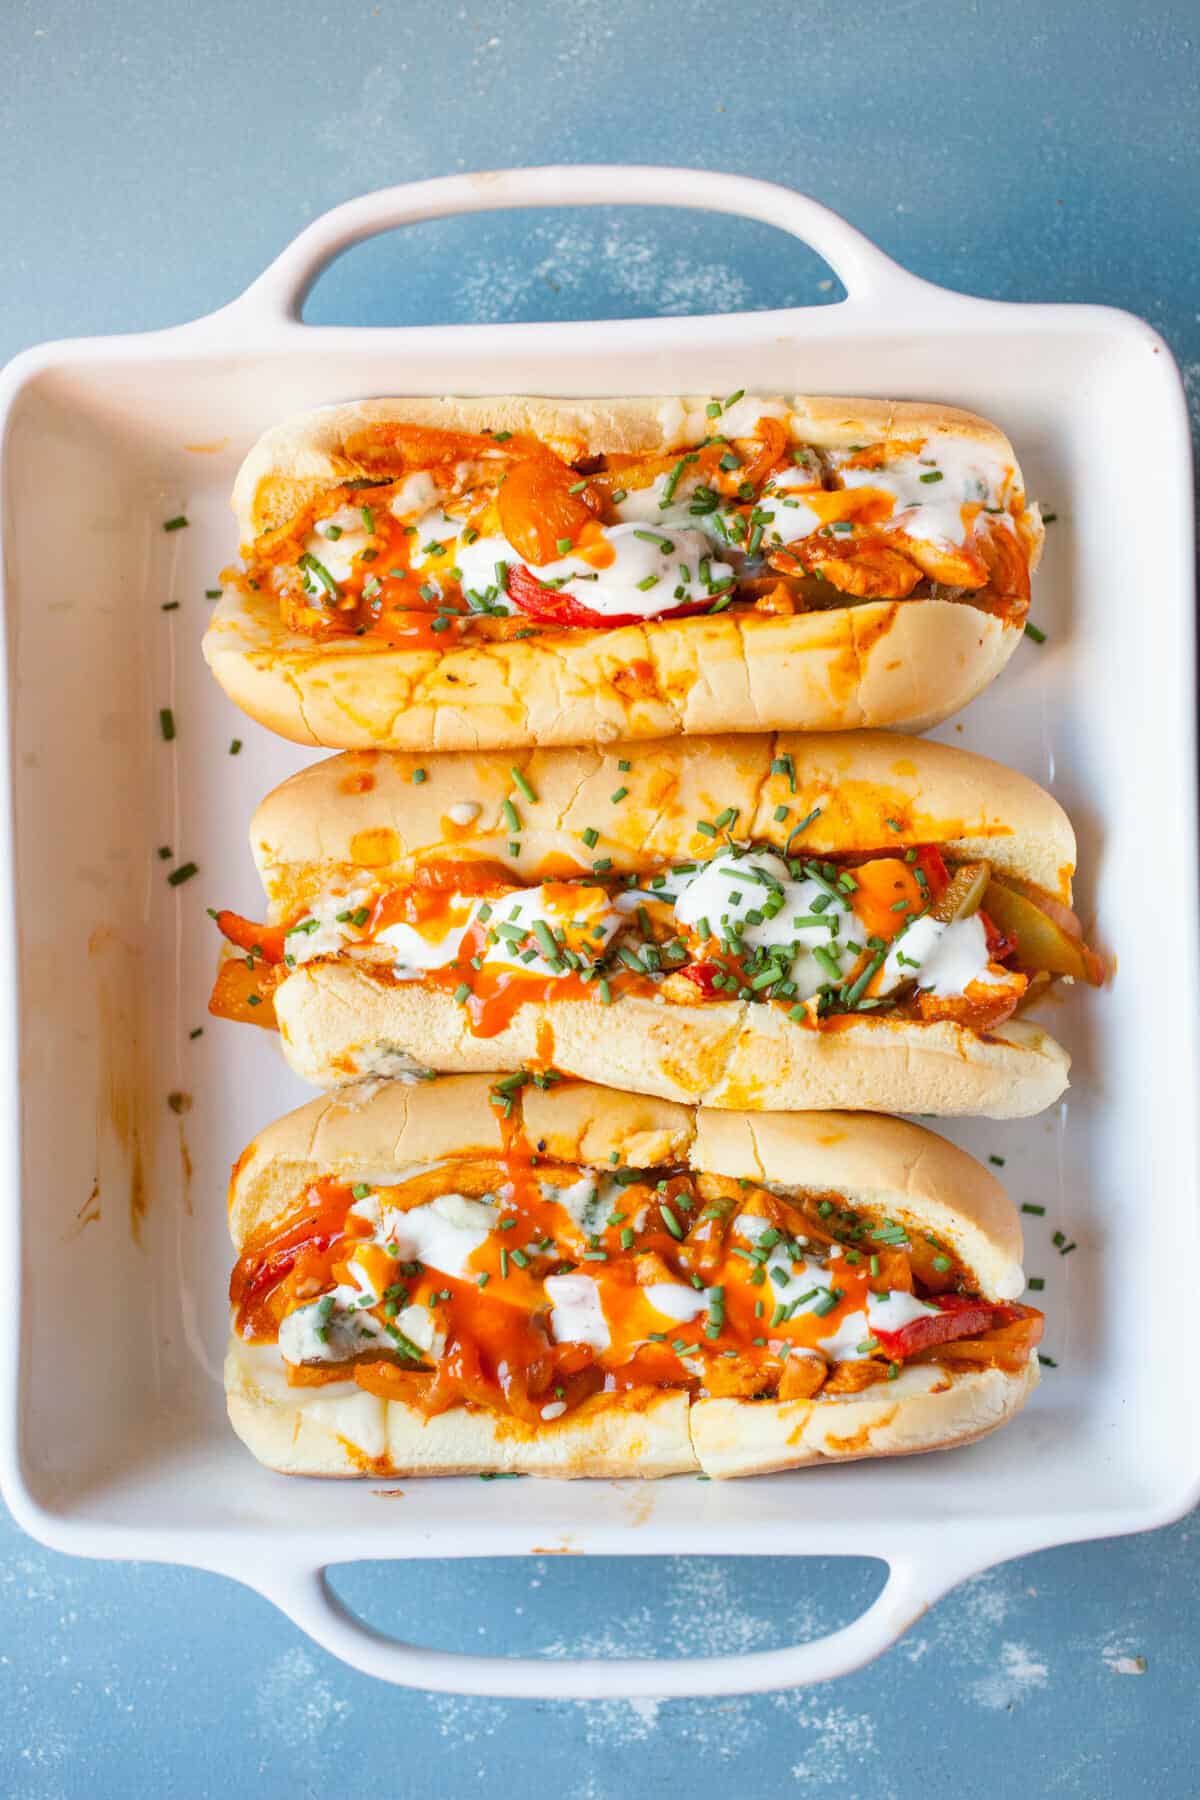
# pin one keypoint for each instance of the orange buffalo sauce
(445, 894)
(497, 1343)
(538, 505)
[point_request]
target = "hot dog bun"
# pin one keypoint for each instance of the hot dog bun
(337, 1023)
(364, 812)
(876, 1163)
(900, 665)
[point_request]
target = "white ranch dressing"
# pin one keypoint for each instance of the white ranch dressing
(335, 554)
(667, 558)
(322, 932)
(966, 474)
(675, 1300)
(590, 926)
(416, 951)
(577, 1316)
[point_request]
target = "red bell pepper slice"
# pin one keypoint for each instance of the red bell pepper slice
(932, 865)
(999, 945)
(959, 1317)
(701, 974)
(556, 607)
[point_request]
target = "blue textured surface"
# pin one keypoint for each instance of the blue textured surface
(153, 163)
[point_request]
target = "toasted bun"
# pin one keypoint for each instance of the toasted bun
(925, 1408)
(888, 1164)
(342, 1431)
(338, 1022)
(904, 665)
(871, 790)
(882, 1164)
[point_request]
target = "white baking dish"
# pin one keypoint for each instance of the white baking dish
(114, 1441)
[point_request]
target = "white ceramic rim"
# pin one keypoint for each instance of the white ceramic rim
(263, 320)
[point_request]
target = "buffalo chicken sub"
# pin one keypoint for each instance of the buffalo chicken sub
(470, 574)
(445, 1278)
(777, 923)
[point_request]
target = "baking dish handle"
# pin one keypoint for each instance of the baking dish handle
(306, 1597)
(278, 295)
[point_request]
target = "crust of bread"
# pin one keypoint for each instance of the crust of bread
(313, 1432)
(902, 665)
(883, 664)
(870, 790)
(904, 1417)
(887, 1164)
(340, 1430)
(339, 1435)
(338, 1022)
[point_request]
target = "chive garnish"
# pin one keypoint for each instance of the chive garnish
(317, 568)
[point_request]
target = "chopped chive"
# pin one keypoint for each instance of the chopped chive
(166, 721)
(418, 776)
(183, 873)
(998, 1160)
(176, 524)
(212, 593)
(1029, 1207)
(317, 568)
(1039, 637)
(235, 745)
(522, 783)
(1037, 1283)
(512, 817)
